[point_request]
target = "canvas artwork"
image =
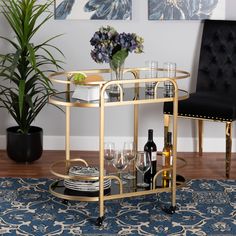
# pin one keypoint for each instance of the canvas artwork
(186, 9)
(93, 9)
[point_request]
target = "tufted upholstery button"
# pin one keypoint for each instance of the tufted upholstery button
(220, 72)
(208, 48)
(229, 60)
(226, 84)
(216, 36)
(214, 60)
(231, 37)
(234, 73)
(222, 48)
(212, 83)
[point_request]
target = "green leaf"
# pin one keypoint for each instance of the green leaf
(21, 96)
(118, 58)
(31, 55)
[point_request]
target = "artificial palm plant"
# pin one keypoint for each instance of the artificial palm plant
(26, 87)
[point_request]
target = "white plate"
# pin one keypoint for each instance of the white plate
(94, 185)
(84, 171)
(85, 188)
(80, 183)
(85, 185)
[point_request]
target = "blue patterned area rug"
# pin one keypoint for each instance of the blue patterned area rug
(205, 207)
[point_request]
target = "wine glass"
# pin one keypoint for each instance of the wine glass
(129, 152)
(120, 162)
(109, 152)
(143, 164)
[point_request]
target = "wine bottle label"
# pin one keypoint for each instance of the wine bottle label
(154, 156)
(163, 159)
(166, 155)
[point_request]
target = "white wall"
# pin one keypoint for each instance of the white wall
(176, 41)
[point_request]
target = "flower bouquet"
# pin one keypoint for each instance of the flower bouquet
(113, 48)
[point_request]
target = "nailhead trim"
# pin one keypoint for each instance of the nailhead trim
(199, 116)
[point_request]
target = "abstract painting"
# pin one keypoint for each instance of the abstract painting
(186, 9)
(93, 9)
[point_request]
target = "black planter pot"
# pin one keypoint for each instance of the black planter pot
(25, 147)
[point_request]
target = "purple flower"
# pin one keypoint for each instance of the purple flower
(107, 42)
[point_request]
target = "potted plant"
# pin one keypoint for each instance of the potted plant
(24, 85)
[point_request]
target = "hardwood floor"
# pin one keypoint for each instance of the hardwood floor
(210, 165)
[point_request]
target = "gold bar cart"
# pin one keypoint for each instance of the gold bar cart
(132, 92)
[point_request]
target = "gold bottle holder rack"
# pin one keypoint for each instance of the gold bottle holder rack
(64, 99)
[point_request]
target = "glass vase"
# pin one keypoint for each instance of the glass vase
(117, 71)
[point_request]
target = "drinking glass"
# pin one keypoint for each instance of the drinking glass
(120, 162)
(169, 72)
(129, 152)
(150, 73)
(109, 153)
(143, 164)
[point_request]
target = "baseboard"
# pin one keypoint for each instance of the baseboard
(92, 143)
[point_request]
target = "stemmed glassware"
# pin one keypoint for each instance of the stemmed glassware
(109, 153)
(129, 152)
(143, 164)
(120, 162)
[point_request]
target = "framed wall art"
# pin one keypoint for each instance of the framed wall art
(186, 9)
(93, 9)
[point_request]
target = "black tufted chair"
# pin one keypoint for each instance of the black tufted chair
(215, 96)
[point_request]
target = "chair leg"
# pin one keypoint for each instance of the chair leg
(200, 132)
(228, 133)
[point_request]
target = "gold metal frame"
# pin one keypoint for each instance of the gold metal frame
(228, 136)
(102, 104)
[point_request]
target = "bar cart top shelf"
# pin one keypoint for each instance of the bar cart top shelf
(132, 92)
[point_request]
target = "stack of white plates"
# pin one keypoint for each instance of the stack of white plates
(85, 185)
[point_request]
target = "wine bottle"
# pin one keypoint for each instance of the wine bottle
(167, 160)
(151, 148)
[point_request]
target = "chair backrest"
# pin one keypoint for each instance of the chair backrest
(217, 62)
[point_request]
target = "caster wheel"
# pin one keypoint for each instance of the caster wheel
(169, 210)
(65, 202)
(99, 221)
